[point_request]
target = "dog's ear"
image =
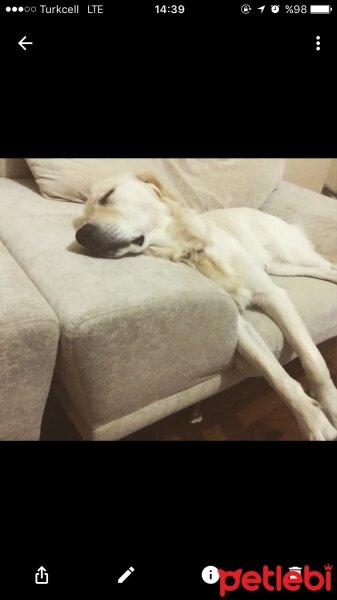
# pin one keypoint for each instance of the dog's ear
(152, 180)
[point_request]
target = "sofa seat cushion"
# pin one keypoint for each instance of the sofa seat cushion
(132, 330)
(316, 302)
(29, 334)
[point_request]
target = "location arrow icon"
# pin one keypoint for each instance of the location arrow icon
(261, 8)
(22, 43)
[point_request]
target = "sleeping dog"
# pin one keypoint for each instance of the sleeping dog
(239, 249)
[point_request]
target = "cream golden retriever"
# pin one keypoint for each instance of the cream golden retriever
(239, 249)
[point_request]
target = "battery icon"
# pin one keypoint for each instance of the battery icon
(320, 9)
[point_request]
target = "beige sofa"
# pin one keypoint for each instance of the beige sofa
(29, 334)
(140, 338)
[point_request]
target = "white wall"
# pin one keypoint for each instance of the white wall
(331, 180)
(310, 173)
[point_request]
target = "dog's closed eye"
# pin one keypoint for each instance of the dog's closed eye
(105, 199)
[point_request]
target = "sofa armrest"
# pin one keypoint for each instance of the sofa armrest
(29, 334)
(316, 213)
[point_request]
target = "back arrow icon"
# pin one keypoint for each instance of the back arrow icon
(22, 43)
(261, 8)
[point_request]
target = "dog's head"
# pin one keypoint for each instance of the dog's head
(121, 214)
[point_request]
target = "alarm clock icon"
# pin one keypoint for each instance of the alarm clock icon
(275, 8)
(245, 9)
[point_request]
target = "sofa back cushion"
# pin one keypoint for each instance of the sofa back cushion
(207, 184)
(203, 184)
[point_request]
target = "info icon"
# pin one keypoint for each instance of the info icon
(210, 574)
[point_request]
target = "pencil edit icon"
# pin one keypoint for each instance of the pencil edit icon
(125, 575)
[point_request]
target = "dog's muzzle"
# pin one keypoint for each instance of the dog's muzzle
(96, 240)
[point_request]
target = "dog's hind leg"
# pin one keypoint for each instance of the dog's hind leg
(311, 420)
(274, 301)
(326, 271)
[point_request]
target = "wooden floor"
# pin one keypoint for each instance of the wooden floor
(248, 411)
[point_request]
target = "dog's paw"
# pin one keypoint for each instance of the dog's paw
(326, 395)
(331, 413)
(328, 404)
(322, 430)
(318, 427)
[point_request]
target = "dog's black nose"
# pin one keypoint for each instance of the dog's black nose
(139, 240)
(84, 234)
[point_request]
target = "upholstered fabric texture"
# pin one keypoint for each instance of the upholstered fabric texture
(202, 184)
(155, 411)
(29, 334)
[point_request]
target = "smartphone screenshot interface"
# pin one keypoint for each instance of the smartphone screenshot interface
(139, 457)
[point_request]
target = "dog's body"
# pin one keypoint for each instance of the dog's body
(238, 248)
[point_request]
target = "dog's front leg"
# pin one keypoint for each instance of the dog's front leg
(274, 301)
(311, 420)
